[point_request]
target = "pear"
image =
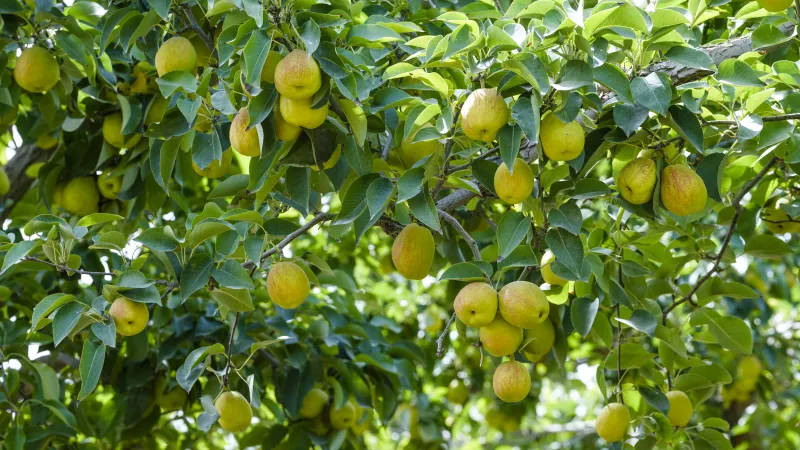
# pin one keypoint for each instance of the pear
(109, 185)
(413, 251)
(749, 368)
(547, 271)
(172, 400)
(271, 63)
(411, 152)
(458, 392)
(683, 192)
(175, 54)
(680, 408)
(245, 141)
(344, 417)
(613, 421)
(543, 335)
(79, 196)
(314, 403)
(112, 132)
(287, 285)
(514, 187)
(775, 5)
(483, 114)
(476, 304)
(297, 76)
(523, 304)
(301, 114)
(319, 426)
(130, 317)
(561, 141)
(283, 129)
(499, 338)
(217, 168)
(234, 411)
(36, 70)
(511, 381)
(637, 181)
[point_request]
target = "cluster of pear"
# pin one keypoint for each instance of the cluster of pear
(80, 196)
(682, 192)
(324, 415)
(748, 371)
(613, 421)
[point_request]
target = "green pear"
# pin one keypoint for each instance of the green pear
(511, 381)
(613, 421)
(683, 192)
(476, 304)
(234, 411)
(314, 403)
(561, 141)
(514, 187)
(637, 181)
(523, 304)
(175, 54)
(500, 338)
(297, 76)
(413, 251)
(130, 317)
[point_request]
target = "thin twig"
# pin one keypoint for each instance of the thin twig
(726, 241)
(230, 346)
(440, 341)
(199, 30)
(439, 184)
(460, 230)
(477, 158)
(779, 118)
(290, 237)
(525, 272)
(63, 268)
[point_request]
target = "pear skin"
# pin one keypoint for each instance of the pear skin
(313, 403)
(36, 70)
(244, 141)
(413, 251)
(613, 421)
(130, 317)
(523, 304)
(680, 408)
(283, 129)
(483, 114)
(561, 141)
(476, 304)
(544, 336)
(79, 196)
(297, 76)
(637, 181)
(175, 54)
(287, 285)
(511, 381)
(411, 152)
(234, 411)
(683, 192)
(547, 271)
(301, 114)
(217, 168)
(514, 187)
(112, 132)
(500, 338)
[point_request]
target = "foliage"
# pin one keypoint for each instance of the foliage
(643, 298)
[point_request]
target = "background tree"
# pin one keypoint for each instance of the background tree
(215, 215)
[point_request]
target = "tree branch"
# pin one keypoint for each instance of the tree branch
(726, 241)
(440, 341)
(476, 253)
(62, 268)
(289, 238)
(778, 118)
(477, 158)
(19, 182)
(199, 30)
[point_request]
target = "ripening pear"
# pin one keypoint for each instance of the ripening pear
(234, 411)
(36, 70)
(476, 304)
(175, 54)
(458, 392)
(775, 5)
(637, 181)
(483, 114)
(680, 408)
(613, 421)
(779, 221)
(500, 338)
(130, 317)
(412, 251)
(217, 168)
(523, 304)
(245, 141)
(287, 284)
(411, 152)
(109, 185)
(313, 403)
(514, 187)
(79, 196)
(5, 183)
(270, 64)
(112, 132)
(344, 417)
(363, 424)
(547, 271)
(172, 400)
(511, 381)
(297, 76)
(543, 335)
(683, 192)
(301, 114)
(561, 141)
(283, 129)
(749, 368)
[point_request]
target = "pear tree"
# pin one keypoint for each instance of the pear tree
(383, 224)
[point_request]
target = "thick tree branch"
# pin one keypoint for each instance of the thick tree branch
(726, 241)
(19, 182)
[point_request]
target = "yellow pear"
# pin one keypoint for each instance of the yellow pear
(511, 381)
(514, 187)
(344, 417)
(683, 192)
(500, 338)
(413, 251)
(476, 304)
(314, 403)
(109, 185)
(79, 196)
(637, 181)
(775, 5)
(156, 109)
(172, 400)
(130, 317)
(297, 76)
(543, 335)
(458, 392)
(175, 54)
(36, 70)
(778, 221)
(283, 129)
(547, 271)
(613, 421)
(287, 284)
(301, 114)
(561, 141)
(749, 368)
(268, 71)
(410, 152)
(112, 132)
(5, 184)
(217, 168)
(680, 408)
(523, 304)
(245, 141)
(234, 411)
(483, 114)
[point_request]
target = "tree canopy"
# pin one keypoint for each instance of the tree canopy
(346, 224)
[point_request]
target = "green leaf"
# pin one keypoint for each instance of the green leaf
(525, 113)
(195, 275)
(730, 332)
(466, 271)
(568, 250)
(629, 117)
(767, 246)
(633, 356)
(568, 216)
(65, 320)
(575, 74)
(255, 54)
(768, 35)
(614, 78)
(694, 58)
(582, 313)
(46, 306)
(590, 188)
(232, 275)
(655, 398)
(378, 195)
(509, 138)
(355, 200)
(641, 320)
(173, 81)
(424, 209)
(16, 253)
(511, 231)
(205, 230)
(738, 73)
(654, 92)
(716, 440)
(98, 218)
(688, 126)
(158, 239)
(236, 300)
(92, 359)
(310, 34)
